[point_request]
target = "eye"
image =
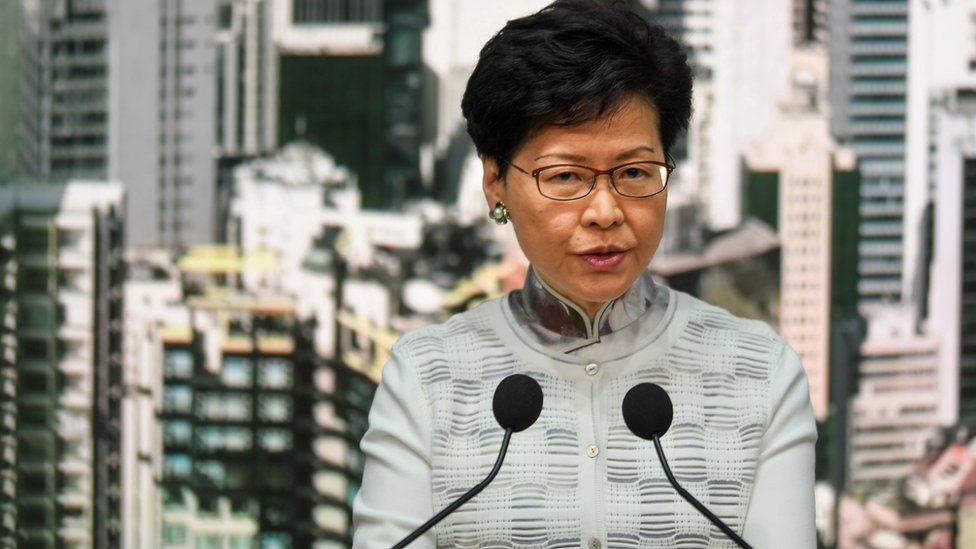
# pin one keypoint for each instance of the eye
(562, 175)
(634, 173)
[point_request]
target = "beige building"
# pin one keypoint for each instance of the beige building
(805, 157)
(895, 415)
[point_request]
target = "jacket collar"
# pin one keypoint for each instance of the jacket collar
(561, 324)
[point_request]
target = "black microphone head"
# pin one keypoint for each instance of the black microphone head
(647, 410)
(518, 402)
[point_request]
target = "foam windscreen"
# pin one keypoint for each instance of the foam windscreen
(517, 402)
(647, 410)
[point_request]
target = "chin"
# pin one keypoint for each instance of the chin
(603, 292)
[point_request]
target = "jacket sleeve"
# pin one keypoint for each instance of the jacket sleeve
(395, 497)
(781, 509)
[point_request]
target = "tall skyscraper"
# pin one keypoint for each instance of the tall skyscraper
(61, 300)
(810, 22)
(64, 130)
(738, 81)
(9, 86)
(125, 90)
(246, 72)
(942, 149)
(367, 56)
(868, 43)
(163, 126)
(800, 181)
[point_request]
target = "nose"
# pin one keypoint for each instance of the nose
(602, 206)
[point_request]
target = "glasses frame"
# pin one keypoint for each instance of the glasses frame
(597, 173)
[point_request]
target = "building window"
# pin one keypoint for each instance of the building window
(275, 440)
(177, 466)
(216, 438)
(177, 433)
(236, 371)
(178, 364)
(178, 399)
(174, 534)
(218, 406)
(274, 408)
(276, 373)
(213, 471)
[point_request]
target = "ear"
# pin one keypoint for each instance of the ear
(492, 182)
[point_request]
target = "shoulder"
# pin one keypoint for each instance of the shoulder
(745, 347)
(717, 318)
(453, 335)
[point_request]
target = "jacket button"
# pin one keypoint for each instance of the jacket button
(592, 368)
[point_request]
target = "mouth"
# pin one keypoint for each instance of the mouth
(603, 257)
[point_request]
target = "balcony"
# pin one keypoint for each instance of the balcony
(74, 498)
(878, 88)
(877, 8)
(76, 400)
(863, 29)
(879, 69)
(881, 108)
(76, 364)
(76, 531)
(878, 128)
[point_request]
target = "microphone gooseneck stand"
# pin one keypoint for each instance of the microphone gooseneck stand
(648, 412)
(517, 404)
(691, 499)
(461, 500)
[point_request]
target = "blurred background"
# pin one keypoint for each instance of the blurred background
(216, 217)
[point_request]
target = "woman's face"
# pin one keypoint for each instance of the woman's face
(592, 249)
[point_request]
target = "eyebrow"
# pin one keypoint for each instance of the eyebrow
(577, 158)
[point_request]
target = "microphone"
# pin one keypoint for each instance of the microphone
(517, 404)
(648, 414)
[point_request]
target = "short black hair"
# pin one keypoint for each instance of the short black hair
(573, 62)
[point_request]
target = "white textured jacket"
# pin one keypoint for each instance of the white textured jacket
(742, 439)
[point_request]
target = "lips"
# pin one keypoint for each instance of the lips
(604, 257)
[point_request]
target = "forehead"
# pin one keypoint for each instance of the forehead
(632, 123)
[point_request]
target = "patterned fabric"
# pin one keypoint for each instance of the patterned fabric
(578, 477)
(717, 373)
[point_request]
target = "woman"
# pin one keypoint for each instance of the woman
(573, 110)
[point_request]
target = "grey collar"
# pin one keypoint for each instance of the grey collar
(562, 325)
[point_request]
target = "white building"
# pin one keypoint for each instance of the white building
(942, 149)
(739, 80)
(896, 414)
(153, 296)
(62, 287)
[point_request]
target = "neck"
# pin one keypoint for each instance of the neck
(566, 324)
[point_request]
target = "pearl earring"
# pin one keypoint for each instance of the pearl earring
(499, 214)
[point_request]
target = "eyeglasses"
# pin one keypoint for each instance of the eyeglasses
(641, 179)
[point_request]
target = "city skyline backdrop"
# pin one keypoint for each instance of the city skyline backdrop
(217, 216)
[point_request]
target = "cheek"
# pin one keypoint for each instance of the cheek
(549, 233)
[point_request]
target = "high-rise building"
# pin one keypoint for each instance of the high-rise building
(869, 67)
(896, 414)
(153, 296)
(9, 87)
(64, 130)
(810, 22)
(61, 302)
(943, 156)
(246, 73)
(163, 126)
(799, 181)
(125, 90)
(365, 55)
(738, 82)
(233, 397)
